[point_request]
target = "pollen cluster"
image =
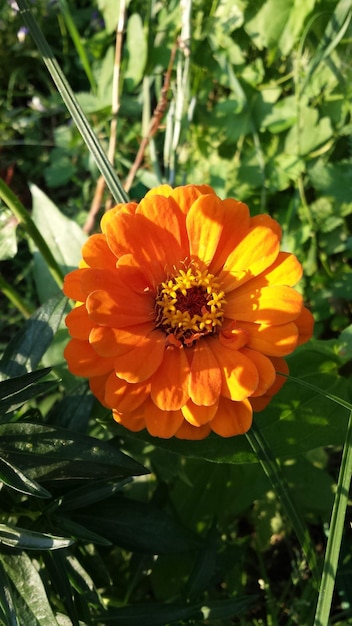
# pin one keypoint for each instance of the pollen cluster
(190, 305)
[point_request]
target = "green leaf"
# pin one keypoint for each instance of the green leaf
(24, 539)
(15, 391)
(28, 584)
(8, 239)
(137, 54)
(138, 526)
(14, 478)
(7, 601)
(159, 615)
(48, 452)
(26, 349)
(92, 493)
(63, 236)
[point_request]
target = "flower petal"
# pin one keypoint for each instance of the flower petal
(280, 365)
(286, 270)
(123, 396)
(265, 368)
(198, 415)
(83, 361)
(277, 304)
(232, 418)
(140, 363)
(305, 325)
(272, 340)
(78, 323)
(72, 285)
(113, 342)
(170, 382)
(254, 253)
(187, 195)
(204, 224)
(133, 421)
(96, 253)
(239, 375)
(157, 248)
(205, 379)
(163, 424)
(125, 309)
(236, 224)
(195, 433)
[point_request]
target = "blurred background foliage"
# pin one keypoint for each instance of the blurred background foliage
(253, 98)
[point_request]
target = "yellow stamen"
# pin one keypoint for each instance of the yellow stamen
(190, 305)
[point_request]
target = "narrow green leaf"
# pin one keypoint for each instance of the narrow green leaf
(26, 349)
(14, 478)
(24, 539)
(335, 533)
(71, 27)
(6, 600)
(28, 583)
(72, 105)
(59, 454)
(91, 493)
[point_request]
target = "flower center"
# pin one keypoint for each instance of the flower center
(190, 305)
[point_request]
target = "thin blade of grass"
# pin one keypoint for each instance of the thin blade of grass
(321, 392)
(279, 484)
(72, 105)
(335, 533)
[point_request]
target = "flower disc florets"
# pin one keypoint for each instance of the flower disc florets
(190, 305)
(185, 310)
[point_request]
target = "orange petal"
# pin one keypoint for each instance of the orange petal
(195, 433)
(204, 224)
(72, 285)
(280, 365)
(123, 396)
(140, 363)
(198, 415)
(132, 421)
(239, 375)
(277, 304)
(272, 340)
(170, 382)
(236, 223)
(78, 323)
(187, 195)
(205, 379)
(170, 221)
(161, 190)
(151, 245)
(265, 220)
(232, 418)
(83, 361)
(116, 341)
(163, 424)
(265, 368)
(125, 309)
(305, 325)
(96, 253)
(140, 279)
(97, 387)
(254, 253)
(286, 270)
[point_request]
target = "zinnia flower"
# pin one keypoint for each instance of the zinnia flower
(185, 310)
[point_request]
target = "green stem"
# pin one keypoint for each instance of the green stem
(26, 221)
(11, 294)
(72, 105)
(335, 533)
(278, 481)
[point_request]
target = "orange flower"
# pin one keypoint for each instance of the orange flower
(185, 310)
